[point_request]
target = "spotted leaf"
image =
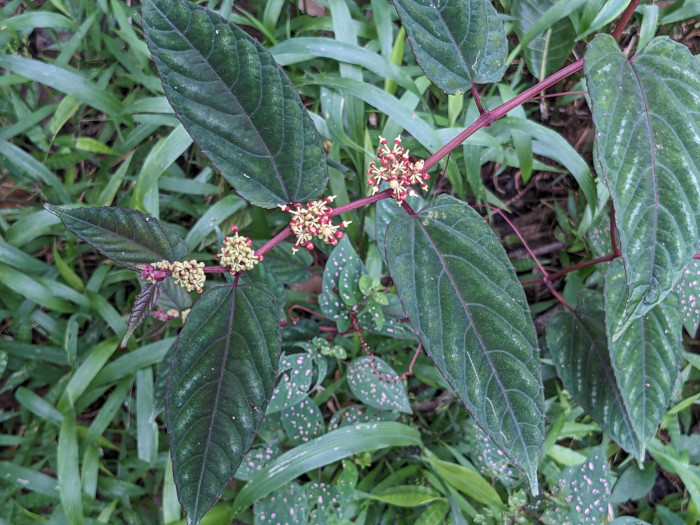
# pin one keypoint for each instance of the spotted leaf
(303, 421)
(688, 292)
(376, 384)
(256, 459)
(295, 380)
(355, 414)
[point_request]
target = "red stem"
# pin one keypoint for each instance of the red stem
(545, 276)
(406, 206)
(613, 234)
(583, 264)
(490, 116)
(477, 99)
(362, 202)
(274, 241)
(624, 19)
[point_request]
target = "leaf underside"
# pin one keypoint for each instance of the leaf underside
(467, 307)
(646, 112)
(221, 379)
(646, 356)
(237, 103)
(545, 53)
(143, 304)
(455, 43)
(578, 345)
(128, 237)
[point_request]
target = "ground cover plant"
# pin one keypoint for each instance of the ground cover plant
(283, 266)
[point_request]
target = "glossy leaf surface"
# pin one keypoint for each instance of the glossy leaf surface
(646, 356)
(546, 52)
(128, 237)
(647, 120)
(220, 382)
(467, 307)
(456, 43)
(237, 103)
(579, 349)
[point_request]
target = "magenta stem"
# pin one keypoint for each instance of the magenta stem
(490, 116)
(274, 241)
(359, 203)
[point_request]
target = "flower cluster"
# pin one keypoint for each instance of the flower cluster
(397, 170)
(314, 220)
(156, 272)
(189, 274)
(171, 314)
(237, 254)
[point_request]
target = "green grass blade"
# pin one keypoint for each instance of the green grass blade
(329, 448)
(68, 469)
(64, 81)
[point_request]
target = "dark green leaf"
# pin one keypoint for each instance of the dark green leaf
(237, 104)
(161, 383)
(467, 307)
(456, 43)
(634, 483)
(143, 304)
(647, 122)
(646, 355)
(548, 50)
(128, 237)
(578, 345)
(376, 384)
(220, 382)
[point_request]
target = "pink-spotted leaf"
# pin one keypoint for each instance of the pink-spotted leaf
(646, 112)
(237, 103)
(688, 293)
(465, 303)
(303, 421)
(220, 383)
(377, 385)
(294, 382)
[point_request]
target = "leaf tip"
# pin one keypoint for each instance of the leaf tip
(51, 208)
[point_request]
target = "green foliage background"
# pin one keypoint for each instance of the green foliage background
(85, 122)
